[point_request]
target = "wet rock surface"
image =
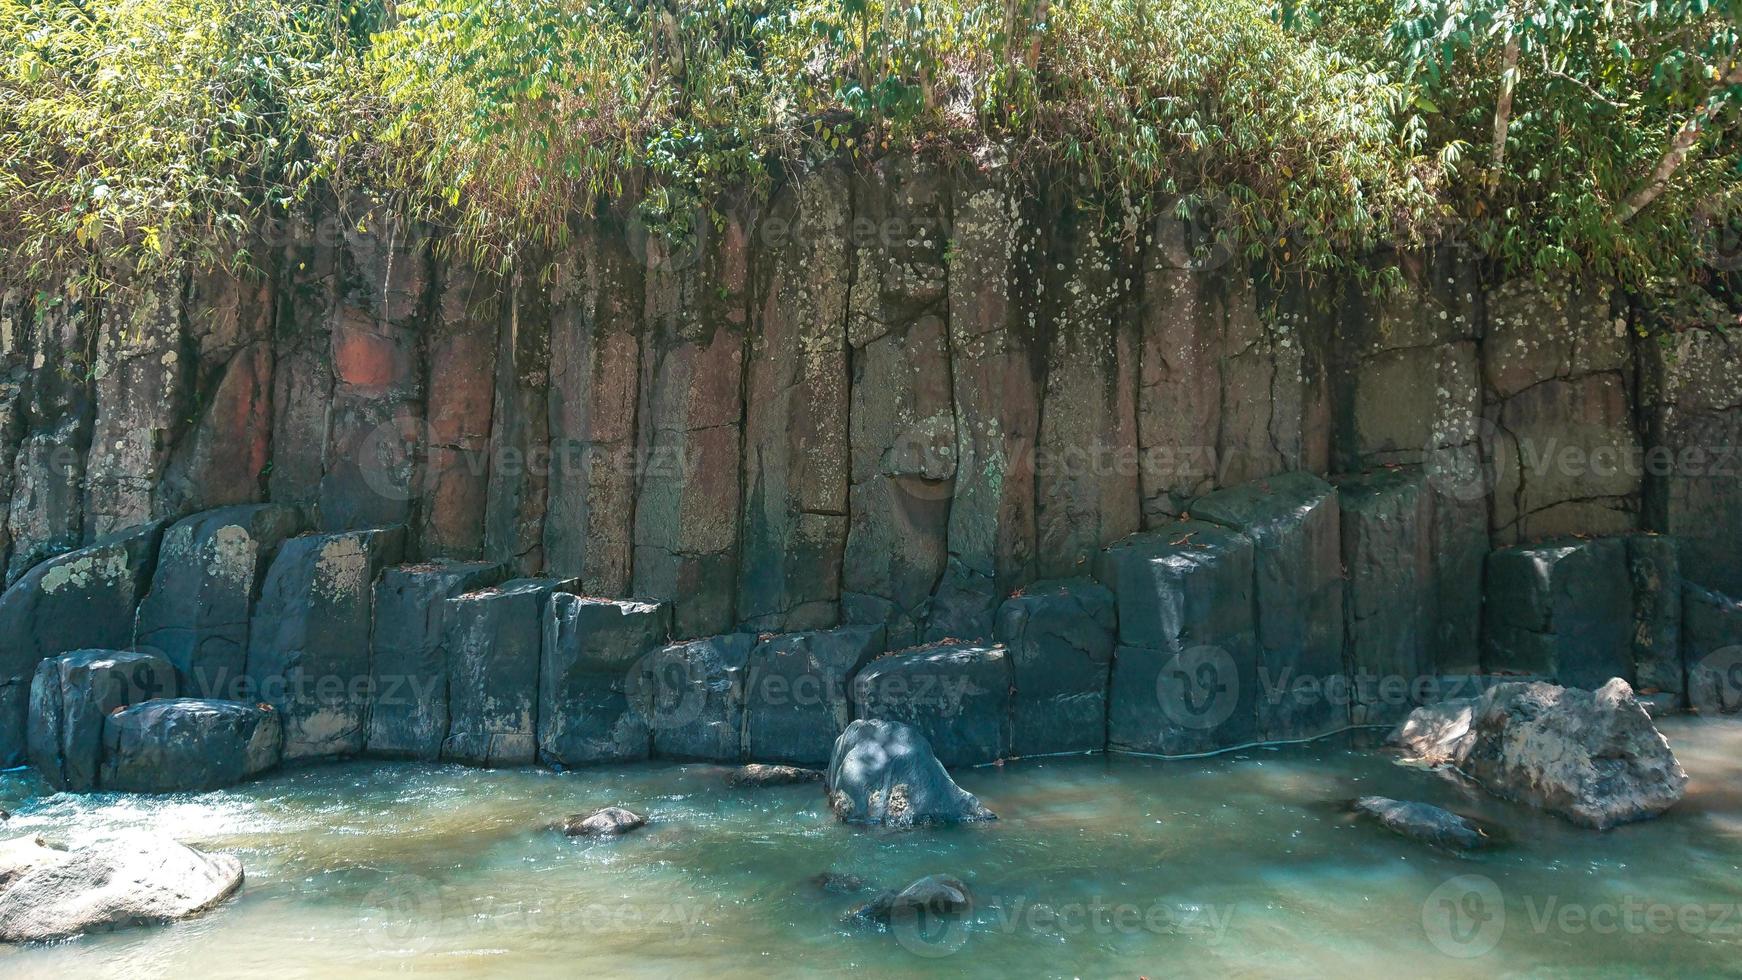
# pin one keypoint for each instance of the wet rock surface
(798, 700)
(612, 821)
(82, 600)
(1592, 757)
(1563, 609)
(884, 773)
(408, 657)
(1422, 821)
(593, 656)
(1059, 637)
(758, 775)
(204, 589)
(956, 695)
(494, 638)
(180, 745)
(70, 699)
(138, 881)
(308, 643)
(692, 695)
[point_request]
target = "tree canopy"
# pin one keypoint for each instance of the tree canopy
(1555, 136)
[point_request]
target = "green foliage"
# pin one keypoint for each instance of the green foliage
(1309, 131)
(135, 131)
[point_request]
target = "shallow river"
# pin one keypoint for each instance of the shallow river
(1241, 865)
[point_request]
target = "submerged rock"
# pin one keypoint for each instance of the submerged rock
(51, 894)
(1423, 822)
(177, 745)
(612, 821)
(757, 775)
(838, 882)
(940, 895)
(883, 773)
(1591, 757)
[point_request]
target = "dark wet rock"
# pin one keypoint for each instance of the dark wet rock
(1655, 564)
(692, 697)
(203, 592)
(72, 695)
(137, 881)
(1562, 609)
(1591, 757)
(757, 775)
(593, 652)
(956, 695)
(1712, 644)
(308, 644)
(1295, 525)
(1185, 677)
(1389, 596)
(884, 773)
(1423, 822)
(82, 600)
(1060, 636)
(612, 821)
(493, 639)
(797, 700)
(933, 895)
(408, 661)
(179, 745)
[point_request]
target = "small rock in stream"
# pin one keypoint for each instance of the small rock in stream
(611, 821)
(1423, 822)
(757, 775)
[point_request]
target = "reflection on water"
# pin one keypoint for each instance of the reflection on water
(1241, 865)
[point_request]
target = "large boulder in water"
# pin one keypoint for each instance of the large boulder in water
(179, 745)
(139, 881)
(1591, 757)
(884, 773)
(71, 696)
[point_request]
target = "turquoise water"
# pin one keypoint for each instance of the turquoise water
(1240, 865)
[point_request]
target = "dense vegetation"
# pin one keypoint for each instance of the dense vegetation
(1558, 136)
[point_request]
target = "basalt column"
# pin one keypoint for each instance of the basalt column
(1085, 481)
(595, 356)
(377, 401)
(991, 535)
(691, 411)
(796, 428)
(520, 430)
(140, 383)
(454, 484)
(903, 421)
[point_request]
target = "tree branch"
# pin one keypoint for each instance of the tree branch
(1680, 146)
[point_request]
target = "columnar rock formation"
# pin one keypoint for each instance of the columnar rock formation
(1088, 478)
